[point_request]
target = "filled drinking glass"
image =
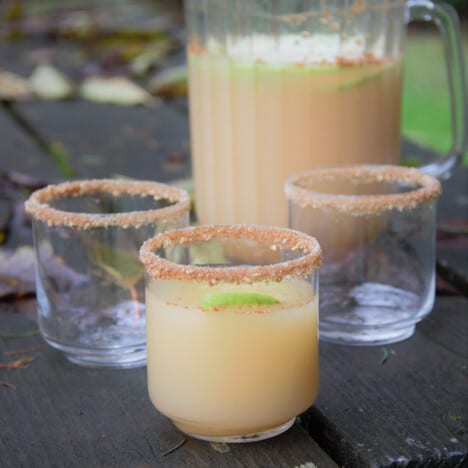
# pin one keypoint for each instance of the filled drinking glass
(232, 317)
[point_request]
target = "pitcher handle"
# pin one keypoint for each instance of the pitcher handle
(446, 19)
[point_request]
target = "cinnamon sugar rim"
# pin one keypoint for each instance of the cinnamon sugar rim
(38, 203)
(161, 268)
(428, 188)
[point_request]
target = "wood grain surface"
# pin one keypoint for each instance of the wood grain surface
(404, 404)
(54, 413)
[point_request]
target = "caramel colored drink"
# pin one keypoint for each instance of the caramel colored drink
(256, 122)
(232, 343)
(221, 372)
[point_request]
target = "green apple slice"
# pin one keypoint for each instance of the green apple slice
(209, 301)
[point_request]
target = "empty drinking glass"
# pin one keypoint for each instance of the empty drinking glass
(90, 283)
(376, 226)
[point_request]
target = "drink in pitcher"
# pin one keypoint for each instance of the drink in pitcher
(279, 87)
(256, 123)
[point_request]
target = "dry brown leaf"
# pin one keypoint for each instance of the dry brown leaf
(13, 87)
(17, 270)
(115, 90)
(7, 384)
(19, 363)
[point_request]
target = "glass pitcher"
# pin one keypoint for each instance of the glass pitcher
(281, 86)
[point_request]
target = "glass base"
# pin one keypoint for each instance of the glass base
(117, 358)
(366, 337)
(134, 360)
(369, 314)
(190, 429)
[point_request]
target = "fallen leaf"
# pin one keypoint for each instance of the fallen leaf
(171, 82)
(13, 87)
(20, 183)
(50, 83)
(117, 90)
(386, 355)
(17, 270)
(19, 363)
(220, 447)
(150, 57)
(7, 384)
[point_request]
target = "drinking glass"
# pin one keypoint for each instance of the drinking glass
(277, 87)
(89, 281)
(376, 226)
(232, 329)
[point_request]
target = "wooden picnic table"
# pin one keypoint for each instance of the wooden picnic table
(404, 404)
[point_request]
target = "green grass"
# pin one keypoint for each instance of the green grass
(426, 107)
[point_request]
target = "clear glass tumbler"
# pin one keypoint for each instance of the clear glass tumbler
(89, 281)
(376, 226)
(278, 87)
(232, 316)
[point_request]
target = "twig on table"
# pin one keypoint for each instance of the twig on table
(173, 449)
(18, 364)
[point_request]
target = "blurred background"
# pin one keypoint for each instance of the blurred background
(97, 88)
(63, 63)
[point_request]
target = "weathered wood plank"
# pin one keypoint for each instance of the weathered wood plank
(401, 405)
(19, 153)
(60, 414)
(104, 140)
